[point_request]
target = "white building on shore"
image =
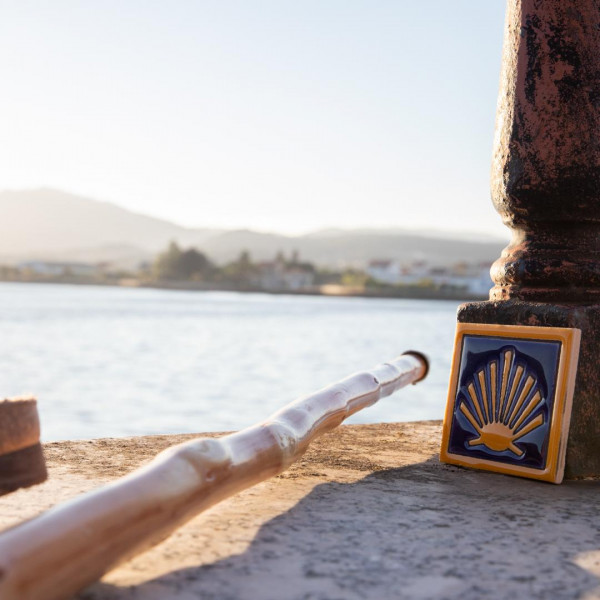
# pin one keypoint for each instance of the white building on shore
(473, 278)
(59, 269)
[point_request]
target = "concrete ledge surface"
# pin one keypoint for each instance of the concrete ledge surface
(368, 512)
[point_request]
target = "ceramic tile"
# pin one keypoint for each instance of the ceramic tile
(509, 400)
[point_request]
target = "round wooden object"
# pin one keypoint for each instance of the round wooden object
(21, 458)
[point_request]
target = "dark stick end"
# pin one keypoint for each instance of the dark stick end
(423, 358)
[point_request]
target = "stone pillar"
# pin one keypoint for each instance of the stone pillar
(546, 186)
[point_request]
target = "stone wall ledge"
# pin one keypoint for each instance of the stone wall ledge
(368, 512)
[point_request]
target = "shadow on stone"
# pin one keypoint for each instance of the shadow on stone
(423, 531)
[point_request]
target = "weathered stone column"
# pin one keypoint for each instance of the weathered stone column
(546, 186)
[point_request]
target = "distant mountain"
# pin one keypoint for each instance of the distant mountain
(46, 220)
(53, 225)
(350, 247)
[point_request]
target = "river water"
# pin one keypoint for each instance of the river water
(108, 361)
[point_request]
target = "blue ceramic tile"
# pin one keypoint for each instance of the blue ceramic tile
(504, 400)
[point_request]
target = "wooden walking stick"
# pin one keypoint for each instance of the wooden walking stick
(72, 545)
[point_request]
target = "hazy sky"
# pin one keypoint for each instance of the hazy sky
(274, 115)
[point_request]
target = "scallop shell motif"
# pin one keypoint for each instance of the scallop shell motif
(504, 406)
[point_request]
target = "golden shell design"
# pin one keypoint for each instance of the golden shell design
(503, 416)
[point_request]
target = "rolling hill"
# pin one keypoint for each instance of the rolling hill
(54, 225)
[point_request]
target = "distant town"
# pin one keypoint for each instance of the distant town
(189, 268)
(49, 235)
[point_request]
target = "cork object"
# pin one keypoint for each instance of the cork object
(21, 457)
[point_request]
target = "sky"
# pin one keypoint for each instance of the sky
(264, 114)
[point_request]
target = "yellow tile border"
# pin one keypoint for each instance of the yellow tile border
(561, 409)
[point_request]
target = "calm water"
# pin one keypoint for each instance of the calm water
(117, 361)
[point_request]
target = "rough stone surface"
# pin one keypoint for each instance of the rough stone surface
(546, 164)
(369, 512)
(546, 186)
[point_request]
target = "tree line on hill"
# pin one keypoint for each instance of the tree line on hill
(177, 264)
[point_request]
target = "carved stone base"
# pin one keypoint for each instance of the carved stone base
(583, 449)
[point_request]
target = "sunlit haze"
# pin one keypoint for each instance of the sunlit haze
(270, 115)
